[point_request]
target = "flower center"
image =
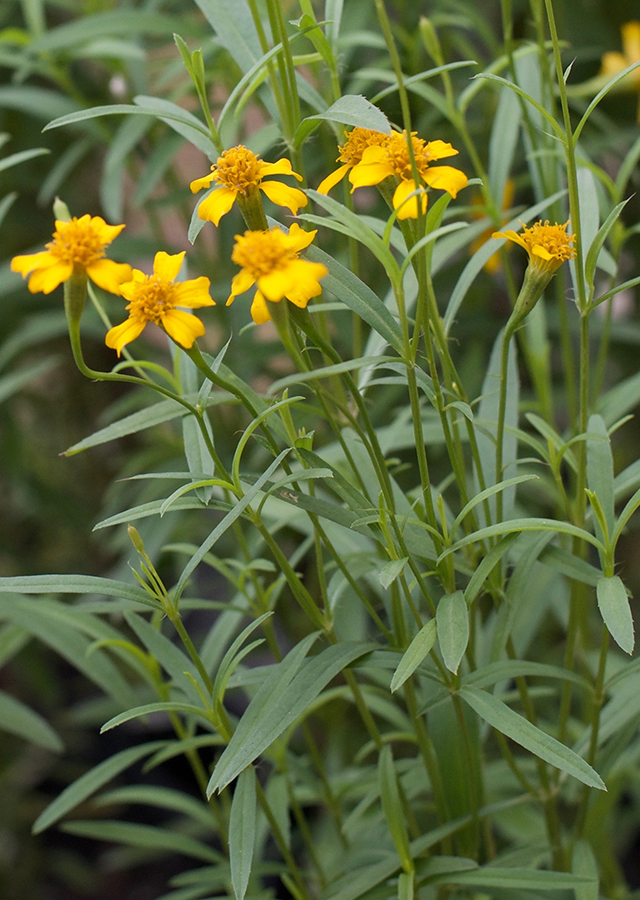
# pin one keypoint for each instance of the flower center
(152, 299)
(357, 142)
(553, 238)
(77, 243)
(398, 155)
(239, 168)
(262, 252)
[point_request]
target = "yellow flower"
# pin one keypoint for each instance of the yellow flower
(351, 153)
(493, 264)
(548, 245)
(271, 260)
(77, 245)
(392, 159)
(614, 62)
(239, 172)
(154, 298)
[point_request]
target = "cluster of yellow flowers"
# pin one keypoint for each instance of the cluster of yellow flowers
(268, 258)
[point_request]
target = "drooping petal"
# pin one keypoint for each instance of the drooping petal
(306, 277)
(440, 150)
(280, 167)
(300, 238)
(407, 205)
(446, 178)
(166, 266)
(122, 334)
(259, 309)
(203, 182)
(109, 275)
(193, 293)
(26, 264)
(512, 236)
(331, 180)
(217, 204)
(46, 280)
(182, 327)
(241, 283)
(283, 195)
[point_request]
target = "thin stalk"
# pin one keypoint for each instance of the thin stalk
(597, 701)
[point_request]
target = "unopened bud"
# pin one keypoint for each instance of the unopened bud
(430, 40)
(61, 210)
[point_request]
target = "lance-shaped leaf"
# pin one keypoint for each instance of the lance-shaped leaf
(452, 619)
(613, 604)
(242, 831)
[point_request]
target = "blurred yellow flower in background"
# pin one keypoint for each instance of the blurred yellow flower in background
(614, 62)
(154, 298)
(77, 246)
(240, 173)
(271, 259)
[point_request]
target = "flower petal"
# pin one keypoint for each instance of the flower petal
(542, 252)
(407, 205)
(166, 266)
(259, 309)
(26, 264)
(217, 204)
(276, 284)
(203, 182)
(612, 63)
(365, 174)
(122, 334)
(47, 280)
(106, 233)
(440, 150)
(301, 238)
(280, 167)
(331, 180)
(109, 275)
(512, 236)
(446, 178)
(182, 327)
(283, 195)
(241, 283)
(193, 293)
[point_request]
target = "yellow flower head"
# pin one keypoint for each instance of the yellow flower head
(154, 298)
(392, 159)
(271, 259)
(548, 245)
(239, 172)
(351, 153)
(614, 62)
(77, 246)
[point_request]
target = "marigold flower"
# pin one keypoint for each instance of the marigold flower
(614, 62)
(351, 152)
(271, 259)
(77, 246)
(391, 159)
(154, 298)
(239, 172)
(548, 245)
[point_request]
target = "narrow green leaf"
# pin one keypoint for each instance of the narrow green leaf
(359, 298)
(350, 109)
(19, 719)
(584, 865)
(145, 836)
(392, 807)
(614, 607)
(242, 831)
(597, 245)
(149, 708)
(74, 584)
(275, 707)
(452, 621)
(486, 566)
(161, 798)
(131, 424)
(529, 736)
(91, 782)
(514, 878)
